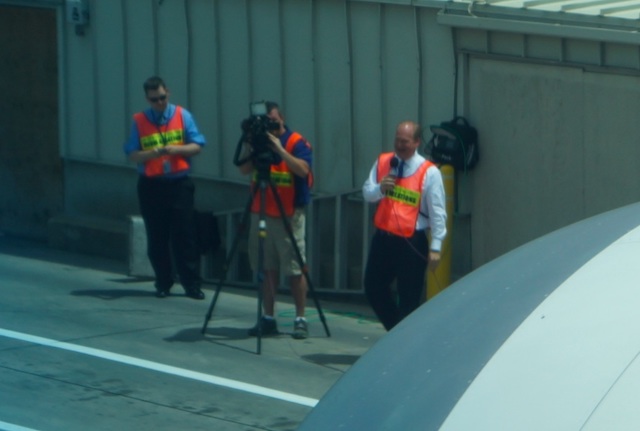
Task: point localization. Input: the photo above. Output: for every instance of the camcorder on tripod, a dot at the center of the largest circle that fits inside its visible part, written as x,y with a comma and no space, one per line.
255,133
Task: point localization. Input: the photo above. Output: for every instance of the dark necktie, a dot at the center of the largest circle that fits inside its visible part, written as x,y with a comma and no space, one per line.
400,168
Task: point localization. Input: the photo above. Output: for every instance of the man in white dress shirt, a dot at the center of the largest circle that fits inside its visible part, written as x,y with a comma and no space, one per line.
411,201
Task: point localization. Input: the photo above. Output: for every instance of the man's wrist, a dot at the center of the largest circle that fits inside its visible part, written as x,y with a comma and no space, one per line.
160,151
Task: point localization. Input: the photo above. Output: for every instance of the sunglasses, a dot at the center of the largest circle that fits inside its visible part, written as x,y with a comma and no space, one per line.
158,99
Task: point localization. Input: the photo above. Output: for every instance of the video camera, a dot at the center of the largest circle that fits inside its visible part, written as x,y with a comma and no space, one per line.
255,131
256,127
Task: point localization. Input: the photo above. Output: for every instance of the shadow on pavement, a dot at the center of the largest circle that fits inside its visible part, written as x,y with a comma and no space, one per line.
329,359
110,294
219,336
212,334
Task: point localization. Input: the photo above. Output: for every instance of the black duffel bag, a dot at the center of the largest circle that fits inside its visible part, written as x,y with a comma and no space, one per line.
454,143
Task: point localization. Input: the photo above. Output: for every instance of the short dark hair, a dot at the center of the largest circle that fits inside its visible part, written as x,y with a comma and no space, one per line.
153,83
271,105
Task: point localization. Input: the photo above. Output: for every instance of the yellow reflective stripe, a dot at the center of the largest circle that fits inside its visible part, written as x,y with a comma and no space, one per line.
404,195
284,179
171,137
151,141
174,137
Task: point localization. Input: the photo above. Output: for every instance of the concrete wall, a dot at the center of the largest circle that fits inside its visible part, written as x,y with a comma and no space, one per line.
558,134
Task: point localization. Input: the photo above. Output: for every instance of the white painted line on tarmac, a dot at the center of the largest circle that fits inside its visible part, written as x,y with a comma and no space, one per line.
11,427
167,369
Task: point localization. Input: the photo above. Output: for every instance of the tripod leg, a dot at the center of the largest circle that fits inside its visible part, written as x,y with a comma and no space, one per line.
301,263
225,269
262,234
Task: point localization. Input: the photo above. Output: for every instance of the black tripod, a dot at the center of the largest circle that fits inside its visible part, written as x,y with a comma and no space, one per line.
264,180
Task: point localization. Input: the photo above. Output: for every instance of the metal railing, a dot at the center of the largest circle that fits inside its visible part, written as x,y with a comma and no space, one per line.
338,233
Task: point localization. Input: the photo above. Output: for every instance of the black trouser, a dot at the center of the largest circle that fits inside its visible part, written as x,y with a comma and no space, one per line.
167,207
403,259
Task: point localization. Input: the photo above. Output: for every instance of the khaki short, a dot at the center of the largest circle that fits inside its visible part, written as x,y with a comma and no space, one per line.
279,254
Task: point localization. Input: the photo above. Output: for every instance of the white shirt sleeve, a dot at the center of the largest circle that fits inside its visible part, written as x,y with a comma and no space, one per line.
434,199
371,188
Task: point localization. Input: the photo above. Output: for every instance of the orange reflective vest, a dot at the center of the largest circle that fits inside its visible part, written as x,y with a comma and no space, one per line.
155,136
282,178
398,211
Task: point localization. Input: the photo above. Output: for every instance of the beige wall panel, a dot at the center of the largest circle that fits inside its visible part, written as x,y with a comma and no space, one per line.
472,40
333,150
234,74
266,52
299,78
80,95
368,139
140,59
254,71
400,69
612,159
173,49
110,81
530,178
623,55
203,84
438,71
544,47
507,43
583,52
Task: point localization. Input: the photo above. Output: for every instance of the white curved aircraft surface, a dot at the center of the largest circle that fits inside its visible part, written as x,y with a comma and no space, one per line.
546,337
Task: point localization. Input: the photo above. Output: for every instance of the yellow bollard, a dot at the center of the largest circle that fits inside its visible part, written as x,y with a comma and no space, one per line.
439,279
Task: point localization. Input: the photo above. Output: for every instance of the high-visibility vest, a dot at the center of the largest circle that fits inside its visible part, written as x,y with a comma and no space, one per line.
282,178
398,211
155,136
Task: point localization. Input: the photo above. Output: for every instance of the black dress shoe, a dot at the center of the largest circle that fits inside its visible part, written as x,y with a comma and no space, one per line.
195,293
162,293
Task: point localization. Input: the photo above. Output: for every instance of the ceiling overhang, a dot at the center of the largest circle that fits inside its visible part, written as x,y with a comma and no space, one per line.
608,21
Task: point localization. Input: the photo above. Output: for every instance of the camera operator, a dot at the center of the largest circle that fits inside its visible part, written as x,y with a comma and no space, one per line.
289,168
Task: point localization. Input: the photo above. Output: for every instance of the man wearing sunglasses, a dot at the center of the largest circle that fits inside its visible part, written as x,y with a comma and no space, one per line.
162,141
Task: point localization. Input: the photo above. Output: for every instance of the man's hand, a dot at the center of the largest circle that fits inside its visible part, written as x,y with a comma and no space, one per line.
387,183
434,260
275,145
298,166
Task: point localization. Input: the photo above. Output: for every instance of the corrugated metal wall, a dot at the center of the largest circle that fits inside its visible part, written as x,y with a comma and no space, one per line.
345,73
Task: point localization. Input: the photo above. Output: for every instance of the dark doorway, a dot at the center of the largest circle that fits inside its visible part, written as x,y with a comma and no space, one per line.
31,170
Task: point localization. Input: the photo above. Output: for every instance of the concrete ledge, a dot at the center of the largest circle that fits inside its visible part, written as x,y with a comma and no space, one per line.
139,265
90,235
